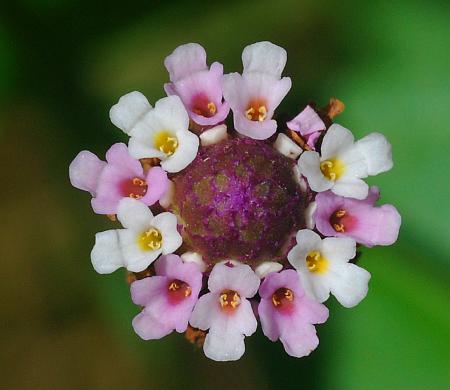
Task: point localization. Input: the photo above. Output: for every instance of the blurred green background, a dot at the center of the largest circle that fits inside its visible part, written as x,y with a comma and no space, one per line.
63,63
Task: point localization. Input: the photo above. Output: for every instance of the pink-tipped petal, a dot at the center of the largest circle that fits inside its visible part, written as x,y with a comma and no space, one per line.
157,184
85,170
119,156
307,122
201,93
149,328
169,297
144,290
255,130
367,224
286,313
240,278
184,60
300,341
264,57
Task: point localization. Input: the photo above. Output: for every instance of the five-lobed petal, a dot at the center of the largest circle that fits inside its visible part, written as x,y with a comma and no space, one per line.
226,311
324,268
254,95
168,298
144,238
286,313
343,163
121,176
199,88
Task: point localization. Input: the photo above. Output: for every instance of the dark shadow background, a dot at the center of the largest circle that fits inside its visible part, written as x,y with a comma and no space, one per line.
63,63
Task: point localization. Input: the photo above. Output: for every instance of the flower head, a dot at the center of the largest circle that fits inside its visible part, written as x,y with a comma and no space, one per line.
144,238
226,311
168,298
323,266
254,95
343,162
360,219
236,202
199,88
160,132
120,177
286,313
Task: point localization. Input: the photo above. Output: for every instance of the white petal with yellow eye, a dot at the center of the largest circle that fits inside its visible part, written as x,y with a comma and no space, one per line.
309,165
136,258
185,153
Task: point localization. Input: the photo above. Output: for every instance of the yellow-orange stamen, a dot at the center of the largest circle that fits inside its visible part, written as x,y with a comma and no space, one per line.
177,285
282,296
332,169
229,300
165,142
256,111
150,240
316,262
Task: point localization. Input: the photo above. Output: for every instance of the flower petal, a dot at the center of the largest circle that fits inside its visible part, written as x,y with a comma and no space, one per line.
205,311
129,110
166,223
377,151
157,184
339,250
337,141
144,290
256,130
307,122
264,57
186,152
224,346
240,278
351,188
309,165
85,170
149,328
135,258
349,284
185,60
106,256
134,215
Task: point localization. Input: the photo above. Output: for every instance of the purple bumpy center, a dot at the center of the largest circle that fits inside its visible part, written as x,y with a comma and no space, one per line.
239,200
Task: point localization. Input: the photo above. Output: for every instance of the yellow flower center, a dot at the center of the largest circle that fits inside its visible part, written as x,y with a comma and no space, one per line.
165,142
332,169
150,240
316,262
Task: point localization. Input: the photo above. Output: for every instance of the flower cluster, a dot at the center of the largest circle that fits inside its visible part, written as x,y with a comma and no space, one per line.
225,226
